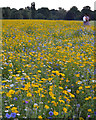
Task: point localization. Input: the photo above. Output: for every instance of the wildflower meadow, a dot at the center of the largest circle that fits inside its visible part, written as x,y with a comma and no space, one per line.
48,69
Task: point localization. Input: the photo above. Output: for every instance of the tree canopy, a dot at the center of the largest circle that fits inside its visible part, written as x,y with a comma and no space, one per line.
45,13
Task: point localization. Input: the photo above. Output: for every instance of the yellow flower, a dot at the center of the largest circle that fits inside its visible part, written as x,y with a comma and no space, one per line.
49,79
46,106
8,94
11,91
42,95
17,92
70,44
53,102
80,87
81,118
94,98
14,109
72,95
7,106
87,86
53,97
62,101
39,71
65,92
61,88
35,106
89,97
48,101
55,113
82,91
29,94
40,117
4,81
67,80
10,70
62,74
77,75
89,110
86,98
65,109
18,71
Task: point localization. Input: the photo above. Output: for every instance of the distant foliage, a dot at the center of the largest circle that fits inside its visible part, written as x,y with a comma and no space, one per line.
45,13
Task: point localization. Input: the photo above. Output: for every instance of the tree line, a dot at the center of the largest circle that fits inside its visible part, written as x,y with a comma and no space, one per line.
45,13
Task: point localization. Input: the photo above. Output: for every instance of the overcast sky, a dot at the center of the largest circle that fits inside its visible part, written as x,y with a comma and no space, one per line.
51,4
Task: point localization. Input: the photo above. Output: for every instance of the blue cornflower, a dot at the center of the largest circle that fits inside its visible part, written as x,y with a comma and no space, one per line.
22,78
7,115
50,113
15,98
95,113
49,117
24,49
90,76
13,36
78,105
13,115
66,87
57,69
91,90
23,86
3,84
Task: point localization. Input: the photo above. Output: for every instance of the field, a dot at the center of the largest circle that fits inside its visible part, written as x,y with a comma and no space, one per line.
48,69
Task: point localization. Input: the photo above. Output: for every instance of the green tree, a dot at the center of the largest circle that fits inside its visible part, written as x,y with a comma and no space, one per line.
94,15
61,14
73,14
15,14
45,12
53,14
13,11
40,16
0,13
6,12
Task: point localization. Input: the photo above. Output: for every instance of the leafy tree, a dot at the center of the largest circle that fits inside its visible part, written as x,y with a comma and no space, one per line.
12,14
39,16
61,13
73,14
25,13
53,14
45,12
0,13
6,12
94,15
